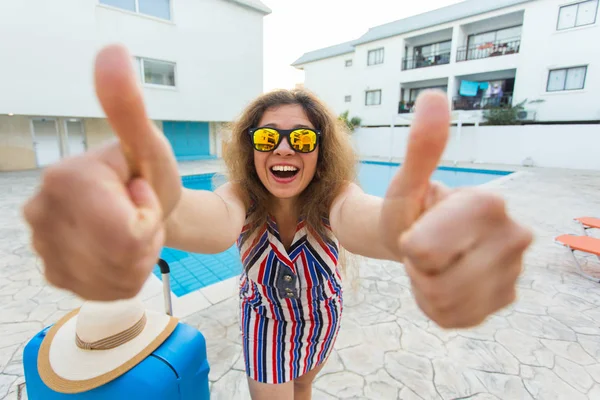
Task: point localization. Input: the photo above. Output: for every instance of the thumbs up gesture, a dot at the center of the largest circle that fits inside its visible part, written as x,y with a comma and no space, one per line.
97,219
462,252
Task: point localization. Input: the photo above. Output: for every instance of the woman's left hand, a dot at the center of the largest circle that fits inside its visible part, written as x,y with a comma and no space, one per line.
462,251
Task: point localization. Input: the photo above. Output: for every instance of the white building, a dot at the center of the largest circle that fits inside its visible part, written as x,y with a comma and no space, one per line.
481,52
200,63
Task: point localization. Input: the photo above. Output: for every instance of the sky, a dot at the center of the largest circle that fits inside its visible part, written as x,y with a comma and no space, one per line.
298,26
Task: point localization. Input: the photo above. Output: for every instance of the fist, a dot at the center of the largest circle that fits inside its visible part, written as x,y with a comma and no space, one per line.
461,250
97,219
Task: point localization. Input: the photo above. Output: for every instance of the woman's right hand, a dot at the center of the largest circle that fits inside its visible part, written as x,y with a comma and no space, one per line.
97,220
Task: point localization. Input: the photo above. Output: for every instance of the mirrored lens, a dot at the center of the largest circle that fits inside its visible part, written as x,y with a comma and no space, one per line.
265,139
303,140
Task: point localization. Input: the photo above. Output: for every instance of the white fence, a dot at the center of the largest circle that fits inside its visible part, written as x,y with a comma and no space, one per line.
557,146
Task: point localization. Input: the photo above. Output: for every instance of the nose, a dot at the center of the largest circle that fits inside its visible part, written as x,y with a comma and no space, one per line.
284,148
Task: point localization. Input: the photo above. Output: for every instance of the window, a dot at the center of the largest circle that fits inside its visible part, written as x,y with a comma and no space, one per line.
154,8
578,14
348,99
566,79
373,98
375,57
155,72
348,63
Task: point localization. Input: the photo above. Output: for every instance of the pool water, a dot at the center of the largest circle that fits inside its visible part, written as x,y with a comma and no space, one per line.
190,271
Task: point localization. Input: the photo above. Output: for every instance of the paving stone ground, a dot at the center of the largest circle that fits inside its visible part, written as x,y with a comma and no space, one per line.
545,346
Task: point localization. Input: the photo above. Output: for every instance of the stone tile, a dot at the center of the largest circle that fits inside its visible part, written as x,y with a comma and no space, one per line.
482,355
222,355
594,393
591,344
420,342
408,394
42,312
341,385
234,385
452,380
580,323
594,371
366,314
594,314
351,334
532,302
17,311
18,333
210,328
542,327
364,359
385,303
6,355
321,395
412,371
375,270
573,374
488,329
573,303
570,351
527,349
221,291
381,385
386,335
333,364
503,386
545,384
5,383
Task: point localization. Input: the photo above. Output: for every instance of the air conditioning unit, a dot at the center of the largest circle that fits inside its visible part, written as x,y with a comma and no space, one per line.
526,115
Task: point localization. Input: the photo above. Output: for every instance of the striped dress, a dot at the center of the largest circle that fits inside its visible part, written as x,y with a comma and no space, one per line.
290,303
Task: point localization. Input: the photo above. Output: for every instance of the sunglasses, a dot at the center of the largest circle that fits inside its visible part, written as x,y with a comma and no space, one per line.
301,140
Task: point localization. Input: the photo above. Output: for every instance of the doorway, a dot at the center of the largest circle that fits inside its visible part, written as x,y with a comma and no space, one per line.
46,141
75,136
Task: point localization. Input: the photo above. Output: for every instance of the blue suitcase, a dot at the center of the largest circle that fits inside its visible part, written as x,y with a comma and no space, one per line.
177,370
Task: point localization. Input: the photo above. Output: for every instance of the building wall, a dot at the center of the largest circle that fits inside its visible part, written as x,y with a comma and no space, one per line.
216,44
333,75
542,48
555,146
16,144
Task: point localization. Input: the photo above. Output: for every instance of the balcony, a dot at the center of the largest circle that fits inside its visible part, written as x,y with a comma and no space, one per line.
439,58
481,103
489,49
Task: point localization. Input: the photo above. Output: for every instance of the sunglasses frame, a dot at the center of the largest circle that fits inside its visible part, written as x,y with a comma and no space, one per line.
284,133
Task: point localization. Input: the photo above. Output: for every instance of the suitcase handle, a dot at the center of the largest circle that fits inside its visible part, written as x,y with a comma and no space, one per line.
165,270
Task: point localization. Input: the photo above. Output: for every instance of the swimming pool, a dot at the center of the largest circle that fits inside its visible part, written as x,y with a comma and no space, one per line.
190,271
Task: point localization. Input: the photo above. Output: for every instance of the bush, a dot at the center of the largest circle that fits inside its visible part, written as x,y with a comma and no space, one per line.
352,123
503,115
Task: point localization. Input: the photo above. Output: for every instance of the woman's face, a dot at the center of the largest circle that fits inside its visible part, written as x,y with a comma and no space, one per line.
284,172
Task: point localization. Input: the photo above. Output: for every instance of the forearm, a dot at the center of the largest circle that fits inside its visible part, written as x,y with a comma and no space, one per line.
355,222
204,222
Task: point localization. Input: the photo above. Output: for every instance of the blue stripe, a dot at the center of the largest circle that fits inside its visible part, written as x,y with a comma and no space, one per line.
260,342
246,337
333,311
297,338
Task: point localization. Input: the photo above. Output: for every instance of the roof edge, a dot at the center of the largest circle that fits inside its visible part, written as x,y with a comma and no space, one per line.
263,9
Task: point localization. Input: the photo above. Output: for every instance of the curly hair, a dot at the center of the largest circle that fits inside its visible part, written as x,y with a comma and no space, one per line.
336,163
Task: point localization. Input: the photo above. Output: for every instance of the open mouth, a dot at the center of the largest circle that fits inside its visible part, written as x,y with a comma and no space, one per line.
284,172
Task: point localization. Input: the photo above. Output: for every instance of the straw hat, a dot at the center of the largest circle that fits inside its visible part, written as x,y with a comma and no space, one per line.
99,342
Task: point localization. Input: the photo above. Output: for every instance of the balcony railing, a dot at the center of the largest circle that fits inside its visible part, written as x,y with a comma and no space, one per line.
480,103
426,61
489,49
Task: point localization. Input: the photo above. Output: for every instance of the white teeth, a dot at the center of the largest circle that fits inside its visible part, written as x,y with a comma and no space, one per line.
284,168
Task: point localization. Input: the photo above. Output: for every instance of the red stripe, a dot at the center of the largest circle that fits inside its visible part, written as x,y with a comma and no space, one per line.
329,319
324,246
254,243
292,337
274,339
310,311
261,273
283,258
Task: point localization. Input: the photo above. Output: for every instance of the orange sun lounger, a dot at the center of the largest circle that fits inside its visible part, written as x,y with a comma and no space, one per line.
588,223
585,244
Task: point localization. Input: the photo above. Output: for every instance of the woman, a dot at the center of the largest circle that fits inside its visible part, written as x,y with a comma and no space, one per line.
100,220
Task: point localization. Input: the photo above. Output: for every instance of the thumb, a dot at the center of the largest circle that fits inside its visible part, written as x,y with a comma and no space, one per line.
121,98
148,211
426,144
146,149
